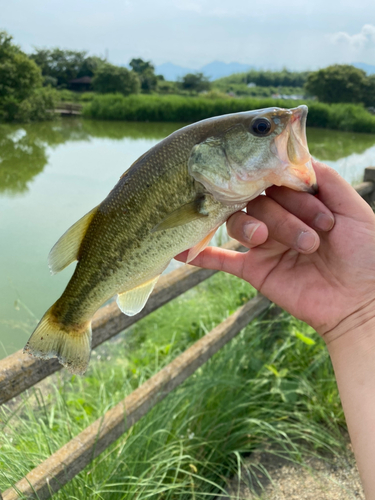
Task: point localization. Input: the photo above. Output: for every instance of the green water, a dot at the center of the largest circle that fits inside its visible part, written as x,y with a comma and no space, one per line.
53,173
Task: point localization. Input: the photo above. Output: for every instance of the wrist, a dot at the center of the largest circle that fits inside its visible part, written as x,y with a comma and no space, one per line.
351,345
358,325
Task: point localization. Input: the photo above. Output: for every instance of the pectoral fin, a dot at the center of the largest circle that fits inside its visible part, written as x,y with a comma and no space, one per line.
133,301
183,215
65,251
199,247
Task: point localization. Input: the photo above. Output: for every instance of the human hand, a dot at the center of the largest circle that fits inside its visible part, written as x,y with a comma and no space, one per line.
313,256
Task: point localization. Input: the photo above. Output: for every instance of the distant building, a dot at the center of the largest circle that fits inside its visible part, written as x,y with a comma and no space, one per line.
81,84
251,85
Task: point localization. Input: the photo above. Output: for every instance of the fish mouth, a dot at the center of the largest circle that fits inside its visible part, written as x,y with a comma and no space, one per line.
292,150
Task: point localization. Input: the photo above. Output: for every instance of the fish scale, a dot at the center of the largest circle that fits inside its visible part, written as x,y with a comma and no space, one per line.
171,199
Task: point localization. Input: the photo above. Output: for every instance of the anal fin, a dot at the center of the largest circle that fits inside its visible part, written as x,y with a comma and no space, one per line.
133,301
199,247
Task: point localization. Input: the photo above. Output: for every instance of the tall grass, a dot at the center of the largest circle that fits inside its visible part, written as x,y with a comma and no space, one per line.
272,386
172,108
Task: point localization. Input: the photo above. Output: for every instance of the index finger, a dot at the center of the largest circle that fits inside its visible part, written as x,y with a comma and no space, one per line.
218,258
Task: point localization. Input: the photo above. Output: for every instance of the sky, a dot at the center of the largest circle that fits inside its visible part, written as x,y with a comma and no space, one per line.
297,34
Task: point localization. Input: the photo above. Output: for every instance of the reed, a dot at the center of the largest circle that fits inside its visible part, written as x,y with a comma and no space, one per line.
174,108
272,386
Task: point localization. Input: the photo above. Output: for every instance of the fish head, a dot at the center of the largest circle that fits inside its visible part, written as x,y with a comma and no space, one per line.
256,150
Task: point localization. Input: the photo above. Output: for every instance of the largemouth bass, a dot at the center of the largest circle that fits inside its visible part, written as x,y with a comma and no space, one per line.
173,198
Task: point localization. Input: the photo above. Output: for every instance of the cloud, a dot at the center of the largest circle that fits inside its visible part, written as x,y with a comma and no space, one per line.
359,41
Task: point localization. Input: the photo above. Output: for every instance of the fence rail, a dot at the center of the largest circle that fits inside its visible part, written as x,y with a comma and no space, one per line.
68,109
18,373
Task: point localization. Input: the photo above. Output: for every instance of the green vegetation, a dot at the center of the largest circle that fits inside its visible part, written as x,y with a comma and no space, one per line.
146,74
60,66
266,83
109,78
346,117
342,83
195,82
261,78
22,97
243,90
272,386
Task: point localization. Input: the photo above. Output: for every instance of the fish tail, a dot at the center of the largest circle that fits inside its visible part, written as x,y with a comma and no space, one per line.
52,339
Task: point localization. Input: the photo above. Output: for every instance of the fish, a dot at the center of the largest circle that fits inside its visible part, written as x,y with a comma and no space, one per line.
172,199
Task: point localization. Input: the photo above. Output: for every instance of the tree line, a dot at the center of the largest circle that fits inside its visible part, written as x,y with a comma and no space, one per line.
59,67
28,83
283,78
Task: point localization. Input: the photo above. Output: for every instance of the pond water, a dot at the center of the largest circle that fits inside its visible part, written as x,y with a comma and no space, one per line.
53,173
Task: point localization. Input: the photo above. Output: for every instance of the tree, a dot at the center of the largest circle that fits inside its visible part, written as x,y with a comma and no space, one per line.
18,75
140,66
195,82
109,79
369,91
20,84
146,74
337,83
65,65
90,65
283,78
148,81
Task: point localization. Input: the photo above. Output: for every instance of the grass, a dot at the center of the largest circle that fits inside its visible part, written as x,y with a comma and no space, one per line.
173,108
273,385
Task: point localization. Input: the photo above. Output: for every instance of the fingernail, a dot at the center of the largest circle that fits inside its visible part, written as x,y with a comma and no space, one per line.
306,241
249,230
324,222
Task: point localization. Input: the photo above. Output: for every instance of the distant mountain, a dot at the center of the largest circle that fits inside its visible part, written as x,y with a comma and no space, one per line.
172,72
218,69
370,69
214,70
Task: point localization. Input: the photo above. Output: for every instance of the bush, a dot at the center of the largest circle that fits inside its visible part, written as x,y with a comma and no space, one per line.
195,82
38,107
109,78
172,108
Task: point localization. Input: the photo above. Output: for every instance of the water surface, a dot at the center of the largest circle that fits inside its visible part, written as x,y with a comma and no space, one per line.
53,173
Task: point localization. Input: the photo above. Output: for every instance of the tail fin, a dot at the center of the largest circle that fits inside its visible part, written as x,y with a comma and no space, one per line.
50,339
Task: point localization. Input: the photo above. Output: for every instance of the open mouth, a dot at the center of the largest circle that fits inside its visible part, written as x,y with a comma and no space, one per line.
293,151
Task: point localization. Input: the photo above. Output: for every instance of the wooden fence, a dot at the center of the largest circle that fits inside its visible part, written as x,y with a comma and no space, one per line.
19,372
68,109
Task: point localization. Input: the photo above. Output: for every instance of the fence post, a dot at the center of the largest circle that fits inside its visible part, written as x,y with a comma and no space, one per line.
369,176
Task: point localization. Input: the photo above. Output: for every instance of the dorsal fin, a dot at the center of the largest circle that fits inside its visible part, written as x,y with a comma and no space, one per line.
65,251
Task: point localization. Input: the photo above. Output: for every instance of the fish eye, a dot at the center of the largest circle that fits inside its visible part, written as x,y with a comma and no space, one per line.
261,126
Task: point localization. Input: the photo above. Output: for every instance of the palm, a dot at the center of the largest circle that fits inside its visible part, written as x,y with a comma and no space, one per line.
318,288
